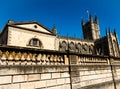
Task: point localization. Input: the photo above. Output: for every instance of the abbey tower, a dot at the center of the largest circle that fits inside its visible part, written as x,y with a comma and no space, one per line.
91,29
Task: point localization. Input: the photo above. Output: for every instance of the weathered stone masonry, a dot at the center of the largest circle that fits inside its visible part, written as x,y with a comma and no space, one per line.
35,57
20,69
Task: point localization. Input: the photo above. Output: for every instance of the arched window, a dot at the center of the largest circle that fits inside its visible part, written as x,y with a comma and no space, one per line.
78,47
72,46
91,49
35,42
116,52
85,48
63,46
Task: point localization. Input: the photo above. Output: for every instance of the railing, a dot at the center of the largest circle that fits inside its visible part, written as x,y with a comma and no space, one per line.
92,59
21,56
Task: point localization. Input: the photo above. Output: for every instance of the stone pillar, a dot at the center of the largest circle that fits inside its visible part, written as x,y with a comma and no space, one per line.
66,60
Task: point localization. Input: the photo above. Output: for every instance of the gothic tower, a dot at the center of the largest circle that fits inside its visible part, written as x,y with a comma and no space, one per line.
91,29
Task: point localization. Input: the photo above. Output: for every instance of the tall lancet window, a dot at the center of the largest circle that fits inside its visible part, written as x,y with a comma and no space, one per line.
116,52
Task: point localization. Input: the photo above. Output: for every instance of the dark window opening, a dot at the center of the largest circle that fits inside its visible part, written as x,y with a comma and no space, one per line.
35,42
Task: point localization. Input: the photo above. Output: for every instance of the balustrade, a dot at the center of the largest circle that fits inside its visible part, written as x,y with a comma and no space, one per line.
49,58
91,59
19,58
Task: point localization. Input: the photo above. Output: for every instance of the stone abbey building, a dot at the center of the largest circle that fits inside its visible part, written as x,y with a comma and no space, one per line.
35,35
35,57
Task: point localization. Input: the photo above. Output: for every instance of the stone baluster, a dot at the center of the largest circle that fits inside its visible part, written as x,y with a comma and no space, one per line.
13,57
39,56
10,58
55,59
3,59
62,60
34,61
58,60
25,55
7,56
47,60
29,59
10,62
22,57
43,59
18,57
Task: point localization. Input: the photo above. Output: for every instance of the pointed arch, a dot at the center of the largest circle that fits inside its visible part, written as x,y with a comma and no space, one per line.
78,47
63,46
72,46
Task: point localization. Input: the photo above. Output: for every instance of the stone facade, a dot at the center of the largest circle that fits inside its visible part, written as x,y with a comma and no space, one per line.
34,57
35,35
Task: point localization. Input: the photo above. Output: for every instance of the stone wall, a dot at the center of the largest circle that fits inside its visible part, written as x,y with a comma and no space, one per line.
34,77
92,72
22,68
20,37
92,77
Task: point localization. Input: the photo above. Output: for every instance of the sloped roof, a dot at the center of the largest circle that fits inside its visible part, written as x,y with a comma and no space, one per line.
25,25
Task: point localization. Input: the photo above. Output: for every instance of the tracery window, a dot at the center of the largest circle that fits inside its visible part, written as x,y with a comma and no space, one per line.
63,46
115,48
72,46
91,49
85,47
78,47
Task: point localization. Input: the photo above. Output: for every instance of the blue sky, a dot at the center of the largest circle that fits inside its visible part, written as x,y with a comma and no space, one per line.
65,14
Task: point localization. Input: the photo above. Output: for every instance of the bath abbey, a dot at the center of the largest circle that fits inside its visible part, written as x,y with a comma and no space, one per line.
33,56
37,36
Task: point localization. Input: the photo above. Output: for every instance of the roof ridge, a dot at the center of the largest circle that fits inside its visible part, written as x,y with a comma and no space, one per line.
11,22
